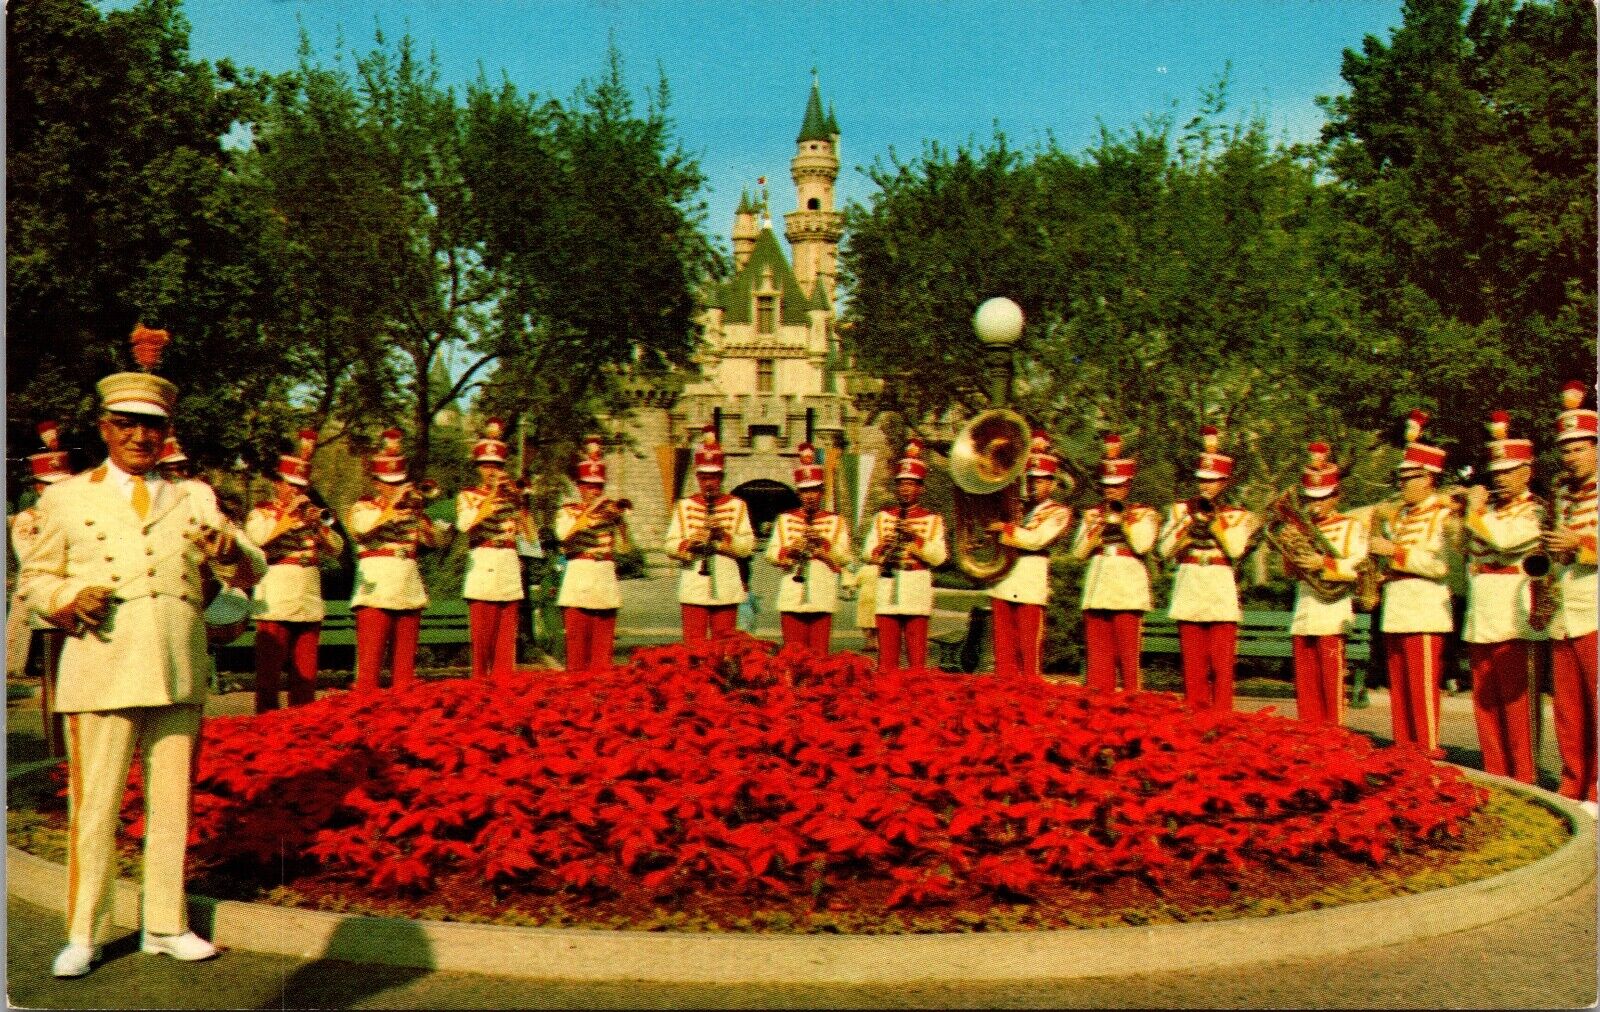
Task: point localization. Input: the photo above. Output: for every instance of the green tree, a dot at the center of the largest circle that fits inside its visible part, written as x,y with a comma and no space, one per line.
124,206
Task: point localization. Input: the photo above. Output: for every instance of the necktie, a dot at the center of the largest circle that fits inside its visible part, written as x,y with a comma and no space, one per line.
141,496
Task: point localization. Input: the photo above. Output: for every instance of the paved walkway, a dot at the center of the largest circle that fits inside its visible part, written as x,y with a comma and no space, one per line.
1542,960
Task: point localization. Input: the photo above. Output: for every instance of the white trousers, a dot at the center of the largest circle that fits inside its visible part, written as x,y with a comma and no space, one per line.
100,749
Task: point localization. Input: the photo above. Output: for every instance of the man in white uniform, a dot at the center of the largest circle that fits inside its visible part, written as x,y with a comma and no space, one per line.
811,545
493,516
1115,536
1571,544
118,564
591,531
906,542
708,534
1018,598
290,529
27,631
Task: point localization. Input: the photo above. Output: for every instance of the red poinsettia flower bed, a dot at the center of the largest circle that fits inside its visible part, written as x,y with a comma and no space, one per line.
725,770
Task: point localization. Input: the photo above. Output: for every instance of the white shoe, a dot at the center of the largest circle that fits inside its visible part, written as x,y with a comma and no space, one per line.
1590,807
187,947
75,960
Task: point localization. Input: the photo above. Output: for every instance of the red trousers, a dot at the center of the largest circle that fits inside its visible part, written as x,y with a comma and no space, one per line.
493,627
1414,661
895,629
1112,639
1208,650
709,621
591,636
1572,664
1018,638
807,629
1505,707
280,642
1319,678
379,629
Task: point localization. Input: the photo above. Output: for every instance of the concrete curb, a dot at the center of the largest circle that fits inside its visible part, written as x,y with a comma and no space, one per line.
620,956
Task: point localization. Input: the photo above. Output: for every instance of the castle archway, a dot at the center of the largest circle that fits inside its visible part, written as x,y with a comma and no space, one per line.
766,499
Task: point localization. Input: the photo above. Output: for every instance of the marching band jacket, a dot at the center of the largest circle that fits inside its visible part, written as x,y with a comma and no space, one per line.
151,651
1499,593
908,588
1117,578
590,580
292,589
494,569
1204,589
24,532
1574,581
723,585
1028,581
819,591
1416,593
1314,616
386,566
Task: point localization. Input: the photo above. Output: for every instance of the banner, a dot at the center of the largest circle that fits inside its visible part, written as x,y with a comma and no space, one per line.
673,462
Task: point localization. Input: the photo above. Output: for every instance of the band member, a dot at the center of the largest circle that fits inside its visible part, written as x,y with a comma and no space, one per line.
118,565
28,632
905,542
493,516
1019,597
591,531
811,546
1337,550
708,534
1500,536
174,464
1115,537
1416,540
296,535
1571,544
1207,537
390,528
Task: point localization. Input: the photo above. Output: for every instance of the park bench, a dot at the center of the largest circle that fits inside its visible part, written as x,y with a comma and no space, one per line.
444,623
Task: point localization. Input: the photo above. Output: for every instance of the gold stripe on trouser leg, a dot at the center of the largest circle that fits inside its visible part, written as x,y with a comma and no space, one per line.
169,741
103,749
1338,685
74,803
1430,713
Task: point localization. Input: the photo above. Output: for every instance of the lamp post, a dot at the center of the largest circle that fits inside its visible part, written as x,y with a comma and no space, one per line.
998,324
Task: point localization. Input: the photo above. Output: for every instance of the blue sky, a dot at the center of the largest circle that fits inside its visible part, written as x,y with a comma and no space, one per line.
898,73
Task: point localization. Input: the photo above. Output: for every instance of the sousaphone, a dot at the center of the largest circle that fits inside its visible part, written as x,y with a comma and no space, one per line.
986,465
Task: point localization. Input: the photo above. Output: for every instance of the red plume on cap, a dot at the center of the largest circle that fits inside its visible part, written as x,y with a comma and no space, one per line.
593,447
808,453
308,443
1209,438
913,447
1041,441
148,344
1572,395
1319,454
1499,424
710,436
1414,423
493,428
1113,448
391,441
50,436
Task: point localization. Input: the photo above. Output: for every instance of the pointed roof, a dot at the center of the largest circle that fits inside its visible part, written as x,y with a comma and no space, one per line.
833,121
733,295
745,206
815,126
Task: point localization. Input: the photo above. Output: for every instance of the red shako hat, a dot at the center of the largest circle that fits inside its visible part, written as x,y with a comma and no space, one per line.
1506,453
1319,478
295,468
51,465
1041,462
389,465
1213,466
1419,457
1115,469
592,468
808,473
490,449
708,456
1576,422
171,452
911,465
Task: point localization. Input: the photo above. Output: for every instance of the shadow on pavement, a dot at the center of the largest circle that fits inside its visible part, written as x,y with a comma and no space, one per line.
358,963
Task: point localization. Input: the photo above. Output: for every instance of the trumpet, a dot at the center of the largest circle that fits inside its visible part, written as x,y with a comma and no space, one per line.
417,493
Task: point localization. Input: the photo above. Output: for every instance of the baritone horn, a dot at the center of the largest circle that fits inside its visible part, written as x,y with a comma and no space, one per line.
986,464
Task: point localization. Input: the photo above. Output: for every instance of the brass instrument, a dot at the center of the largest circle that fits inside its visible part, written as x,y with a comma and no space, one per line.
1298,540
1112,530
812,546
597,514
986,464
1537,566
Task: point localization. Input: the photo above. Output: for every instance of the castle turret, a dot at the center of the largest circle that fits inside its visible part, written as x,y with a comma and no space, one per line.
815,228
745,230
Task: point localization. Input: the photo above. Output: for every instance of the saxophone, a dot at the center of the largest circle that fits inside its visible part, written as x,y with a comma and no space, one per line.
1542,595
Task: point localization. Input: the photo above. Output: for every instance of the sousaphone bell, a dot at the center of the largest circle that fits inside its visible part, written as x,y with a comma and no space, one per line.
986,465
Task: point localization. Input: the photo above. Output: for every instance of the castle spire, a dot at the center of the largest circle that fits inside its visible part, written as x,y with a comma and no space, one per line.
815,126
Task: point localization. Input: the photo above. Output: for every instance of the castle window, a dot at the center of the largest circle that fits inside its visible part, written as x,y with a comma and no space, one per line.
813,204
766,314
765,369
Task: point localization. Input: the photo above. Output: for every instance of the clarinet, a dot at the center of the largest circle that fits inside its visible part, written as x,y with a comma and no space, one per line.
802,569
710,549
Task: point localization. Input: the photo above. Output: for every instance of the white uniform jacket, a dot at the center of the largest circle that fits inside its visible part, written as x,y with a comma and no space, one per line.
590,579
386,565
1574,581
1314,616
819,591
151,651
1416,589
907,588
292,589
494,569
24,532
1204,589
723,584
1117,578
1499,593
1028,580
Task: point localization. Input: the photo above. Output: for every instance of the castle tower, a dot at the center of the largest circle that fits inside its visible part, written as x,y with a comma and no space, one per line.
814,229
745,230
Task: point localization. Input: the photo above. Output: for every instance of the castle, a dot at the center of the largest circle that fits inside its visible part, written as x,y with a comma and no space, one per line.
771,374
